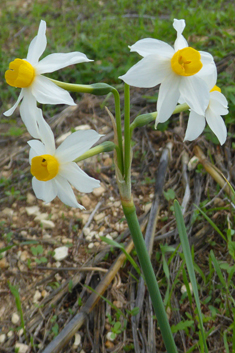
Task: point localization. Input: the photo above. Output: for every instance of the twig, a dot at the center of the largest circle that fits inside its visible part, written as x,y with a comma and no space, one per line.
73,326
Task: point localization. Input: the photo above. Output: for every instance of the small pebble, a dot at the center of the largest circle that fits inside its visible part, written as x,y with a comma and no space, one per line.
22,348
15,318
77,340
47,224
2,338
61,253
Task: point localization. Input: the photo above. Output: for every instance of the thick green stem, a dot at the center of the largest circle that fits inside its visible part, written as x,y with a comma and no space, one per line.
149,275
127,136
119,129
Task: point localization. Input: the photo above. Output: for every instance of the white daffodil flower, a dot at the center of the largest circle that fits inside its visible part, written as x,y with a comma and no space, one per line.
27,74
53,169
217,106
179,70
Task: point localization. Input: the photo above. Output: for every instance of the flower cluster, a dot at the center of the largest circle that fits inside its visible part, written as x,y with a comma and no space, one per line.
185,75
53,169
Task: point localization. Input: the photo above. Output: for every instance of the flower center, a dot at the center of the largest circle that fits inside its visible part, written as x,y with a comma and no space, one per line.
20,74
186,62
215,88
44,167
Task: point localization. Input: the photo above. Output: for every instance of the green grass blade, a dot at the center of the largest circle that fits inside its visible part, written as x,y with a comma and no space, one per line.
15,293
211,223
120,246
189,264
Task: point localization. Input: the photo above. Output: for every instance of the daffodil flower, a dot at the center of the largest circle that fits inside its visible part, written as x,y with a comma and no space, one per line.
217,106
179,70
53,169
27,74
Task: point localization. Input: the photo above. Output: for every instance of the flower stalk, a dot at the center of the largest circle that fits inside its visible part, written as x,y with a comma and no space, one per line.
149,275
127,135
106,146
144,119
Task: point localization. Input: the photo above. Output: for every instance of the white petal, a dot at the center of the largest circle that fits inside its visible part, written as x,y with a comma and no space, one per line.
167,98
180,42
46,136
38,45
76,144
44,190
47,92
12,109
30,113
150,46
208,71
217,125
218,103
196,124
37,149
65,192
78,178
148,72
195,92
57,61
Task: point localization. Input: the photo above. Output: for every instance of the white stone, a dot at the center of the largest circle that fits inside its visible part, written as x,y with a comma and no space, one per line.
114,234
10,334
99,217
77,339
86,232
20,332
184,289
15,318
47,224
30,198
32,210
37,296
98,191
2,338
61,253
8,211
41,217
91,245
22,348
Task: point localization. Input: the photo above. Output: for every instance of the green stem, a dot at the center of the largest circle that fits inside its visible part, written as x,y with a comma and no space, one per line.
99,89
145,119
127,136
149,275
119,128
106,146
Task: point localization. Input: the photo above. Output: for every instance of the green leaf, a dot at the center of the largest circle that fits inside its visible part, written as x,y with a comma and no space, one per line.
181,326
120,246
189,263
